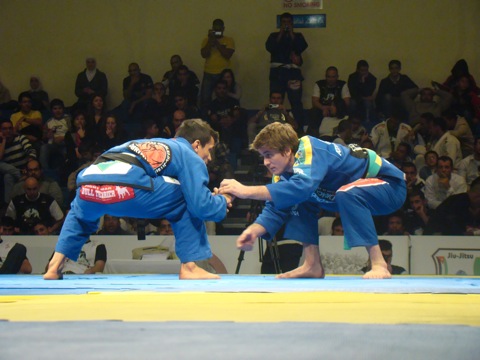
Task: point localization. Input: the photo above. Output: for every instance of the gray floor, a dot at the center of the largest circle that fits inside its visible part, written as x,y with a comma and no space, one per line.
228,340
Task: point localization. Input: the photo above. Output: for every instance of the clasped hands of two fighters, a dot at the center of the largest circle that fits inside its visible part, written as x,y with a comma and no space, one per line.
230,189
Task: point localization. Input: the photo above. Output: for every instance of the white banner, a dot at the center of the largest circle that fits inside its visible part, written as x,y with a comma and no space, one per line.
446,255
302,4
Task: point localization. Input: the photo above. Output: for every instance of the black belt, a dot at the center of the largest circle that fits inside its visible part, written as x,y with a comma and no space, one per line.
119,157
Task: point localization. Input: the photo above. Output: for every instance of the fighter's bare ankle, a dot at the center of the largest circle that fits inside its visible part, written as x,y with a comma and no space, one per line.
190,271
304,271
378,272
53,275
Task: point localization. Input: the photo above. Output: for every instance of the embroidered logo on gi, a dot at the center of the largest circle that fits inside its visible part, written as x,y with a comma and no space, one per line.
157,154
106,194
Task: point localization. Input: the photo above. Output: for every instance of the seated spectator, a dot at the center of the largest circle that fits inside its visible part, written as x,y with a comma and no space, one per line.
111,133
96,114
401,155
233,87
413,181
53,151
396,224
150,129
337,227
40,100
430,167
17,151
173,124
165,228
459,127
469,167
111,226
459,70
159,106
47,185
466,102
89,83
225,117
34,206
137,91
272,112
387,134
359,132
181,103
388,100
362,85
183,82
387,252
175,62
13,256
443,142
425,103
418,214
421,131
459,214
367,144
169,77
443,183
80,136
344,133
330,102
28,122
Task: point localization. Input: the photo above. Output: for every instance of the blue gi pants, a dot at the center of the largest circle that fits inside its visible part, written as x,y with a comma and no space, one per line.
165,201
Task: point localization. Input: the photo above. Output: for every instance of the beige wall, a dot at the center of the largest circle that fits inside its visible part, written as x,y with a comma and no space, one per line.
51,38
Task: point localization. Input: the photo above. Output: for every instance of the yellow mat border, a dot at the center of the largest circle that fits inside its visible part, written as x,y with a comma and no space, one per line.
336,307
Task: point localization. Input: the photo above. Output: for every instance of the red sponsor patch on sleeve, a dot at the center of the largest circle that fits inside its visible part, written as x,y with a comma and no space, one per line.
106,194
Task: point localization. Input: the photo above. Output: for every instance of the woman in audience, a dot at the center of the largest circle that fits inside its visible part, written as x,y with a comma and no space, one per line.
96,113
79,136
233,88
40,100
111,133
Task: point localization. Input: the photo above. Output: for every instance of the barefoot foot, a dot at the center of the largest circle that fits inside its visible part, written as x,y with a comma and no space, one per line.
378,272
52,275
304,271
190,271
55,267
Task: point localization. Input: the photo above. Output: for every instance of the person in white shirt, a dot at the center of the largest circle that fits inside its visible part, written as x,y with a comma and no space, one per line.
459,127
469,167
444,143
443,183
388,134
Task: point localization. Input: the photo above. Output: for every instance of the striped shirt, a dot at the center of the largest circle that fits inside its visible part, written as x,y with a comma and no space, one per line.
19,151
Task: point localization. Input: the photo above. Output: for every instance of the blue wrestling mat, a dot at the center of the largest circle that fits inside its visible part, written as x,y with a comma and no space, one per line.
239,317
81,284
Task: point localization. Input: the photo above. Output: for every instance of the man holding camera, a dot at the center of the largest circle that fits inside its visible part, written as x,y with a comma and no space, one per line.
285,48
274,111
217,51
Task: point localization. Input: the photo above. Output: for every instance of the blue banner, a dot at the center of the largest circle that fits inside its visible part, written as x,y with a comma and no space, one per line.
307,21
